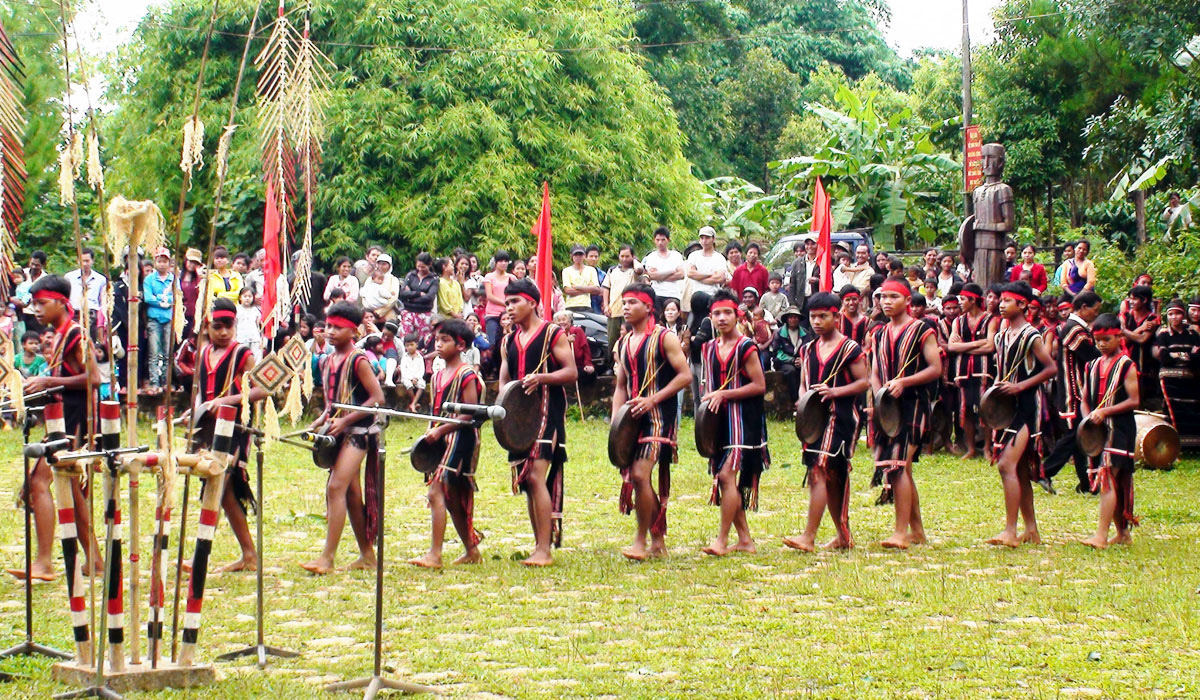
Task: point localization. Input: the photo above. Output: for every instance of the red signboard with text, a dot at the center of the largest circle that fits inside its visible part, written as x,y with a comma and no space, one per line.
972,158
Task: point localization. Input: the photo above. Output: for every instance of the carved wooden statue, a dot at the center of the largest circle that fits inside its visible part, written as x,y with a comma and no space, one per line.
983,234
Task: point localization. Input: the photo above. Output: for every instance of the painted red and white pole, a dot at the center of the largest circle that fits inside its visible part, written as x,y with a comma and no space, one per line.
110,439
68,535
210,505
162,537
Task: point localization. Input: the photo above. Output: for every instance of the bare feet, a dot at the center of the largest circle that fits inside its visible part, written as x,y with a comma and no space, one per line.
471,557
637,552
96,567
1031,537
1005,539
365,562
658,550
716,549
896,541
804,543
970,454
836,543
38,573
746,547
538,559
319,566
246,563
429,561
1122,538
917,537
1096,542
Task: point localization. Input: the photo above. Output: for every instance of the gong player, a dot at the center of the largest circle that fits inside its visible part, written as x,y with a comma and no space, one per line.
835,367
1023,366
651,371
537,354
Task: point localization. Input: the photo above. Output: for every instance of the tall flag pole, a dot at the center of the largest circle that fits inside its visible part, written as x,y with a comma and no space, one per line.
822,225
545,255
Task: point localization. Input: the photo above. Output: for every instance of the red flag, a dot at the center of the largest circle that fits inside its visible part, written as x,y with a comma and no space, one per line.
545,255
822,224
271,266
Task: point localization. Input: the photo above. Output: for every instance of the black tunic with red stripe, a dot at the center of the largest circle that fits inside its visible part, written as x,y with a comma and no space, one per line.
647,371
837,443
1113,468
221,371
899,353
68,339
855,330
973,372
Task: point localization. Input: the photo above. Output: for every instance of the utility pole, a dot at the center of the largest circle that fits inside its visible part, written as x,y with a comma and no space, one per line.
966,92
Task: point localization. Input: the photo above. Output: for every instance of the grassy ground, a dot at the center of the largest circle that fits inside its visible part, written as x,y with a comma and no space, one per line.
954,619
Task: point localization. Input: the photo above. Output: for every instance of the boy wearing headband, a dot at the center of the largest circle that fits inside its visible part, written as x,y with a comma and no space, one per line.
853,323
538,354
651,371
1177,347
348,378
1110,396
834,366
906,366
733,384
68,371
1017,449
222,365
1075,350
972,340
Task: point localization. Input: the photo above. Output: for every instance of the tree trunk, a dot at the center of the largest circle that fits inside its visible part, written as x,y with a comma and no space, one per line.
898,238
1139,207
1033,211
1050,213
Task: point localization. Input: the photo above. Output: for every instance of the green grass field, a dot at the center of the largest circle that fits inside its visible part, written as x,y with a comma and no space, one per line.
953,619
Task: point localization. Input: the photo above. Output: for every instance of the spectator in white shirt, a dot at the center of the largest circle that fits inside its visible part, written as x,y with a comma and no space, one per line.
381,290
706,268
665,268
94,281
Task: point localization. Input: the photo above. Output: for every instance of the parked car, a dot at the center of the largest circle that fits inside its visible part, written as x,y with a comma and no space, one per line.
780,256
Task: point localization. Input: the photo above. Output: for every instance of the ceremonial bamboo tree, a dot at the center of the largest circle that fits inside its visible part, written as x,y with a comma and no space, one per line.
429,149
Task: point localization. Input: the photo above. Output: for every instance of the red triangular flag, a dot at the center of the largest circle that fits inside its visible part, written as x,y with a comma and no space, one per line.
822,224
545,255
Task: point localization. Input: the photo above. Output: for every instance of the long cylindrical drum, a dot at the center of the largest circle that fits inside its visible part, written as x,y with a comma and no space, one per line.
1157,444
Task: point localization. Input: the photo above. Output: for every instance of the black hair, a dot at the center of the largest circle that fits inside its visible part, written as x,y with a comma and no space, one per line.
52,283
1084,241
996,288
894,264
775,276
310,319
425,258
523,286
223,304
501,255
241,256
625,246
30,335
753,245
798,245
919,300
955,289
848,289
1143,292
341,259
733,245
1011,244
1049,300
1106,322
971,288
39,256
1085,299
933,248
410,338
592,247
662,231
917,271
220,252
700,304
723,294
877,281
337,293
351,312
1029,245
825,300
457,329
1021,289
372,341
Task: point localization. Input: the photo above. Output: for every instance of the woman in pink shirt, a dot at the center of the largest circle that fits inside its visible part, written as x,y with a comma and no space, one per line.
494,284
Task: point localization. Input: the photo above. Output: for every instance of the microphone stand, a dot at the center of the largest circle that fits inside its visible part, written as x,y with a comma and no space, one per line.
30,647
259,648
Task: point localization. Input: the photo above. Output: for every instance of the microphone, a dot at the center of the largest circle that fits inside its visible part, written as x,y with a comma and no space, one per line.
318,439
37,450
477,410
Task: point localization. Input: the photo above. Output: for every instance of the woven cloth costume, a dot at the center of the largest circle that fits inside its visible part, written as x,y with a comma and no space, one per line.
741,443
647,371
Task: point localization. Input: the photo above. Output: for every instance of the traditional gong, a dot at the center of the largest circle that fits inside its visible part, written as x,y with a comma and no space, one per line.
425,455
812,417
997,410
939,419
887,412
1157,444
1091,437
523,417
622,438
706,431
324,448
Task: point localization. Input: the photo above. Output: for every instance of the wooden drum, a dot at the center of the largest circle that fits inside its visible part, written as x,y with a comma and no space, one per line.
1157,444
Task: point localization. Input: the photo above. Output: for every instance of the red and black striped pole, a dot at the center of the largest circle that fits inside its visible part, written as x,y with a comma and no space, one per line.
110,439
210,504
68,535
162,536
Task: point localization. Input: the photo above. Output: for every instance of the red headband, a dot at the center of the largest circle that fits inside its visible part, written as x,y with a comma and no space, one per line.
1014,296
340,322
527,297
48,294
1065,306
950,300
970,294
639,295
1035,302
848,295
723,304
222,313
824,307
897,287
1107,332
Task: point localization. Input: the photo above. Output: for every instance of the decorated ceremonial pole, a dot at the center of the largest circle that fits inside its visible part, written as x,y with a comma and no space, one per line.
110,439
56,429
162,534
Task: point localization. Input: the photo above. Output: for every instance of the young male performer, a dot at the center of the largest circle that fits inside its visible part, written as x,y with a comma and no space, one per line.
68,369
452,486
853,324
835,366
949,384
973,339
651,371
1075,350
906,364
222,364
349,379
734,385
538,354
1110,396
1018,448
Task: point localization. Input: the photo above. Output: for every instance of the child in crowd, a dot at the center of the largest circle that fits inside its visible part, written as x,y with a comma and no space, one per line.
47,342
915,277
929,290
412,370
336,295
474,354
389,353
369,325
370,346
774,302
29,362
248,332
319,347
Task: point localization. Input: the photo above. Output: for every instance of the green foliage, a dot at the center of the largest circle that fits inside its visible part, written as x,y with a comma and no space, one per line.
1172,265
425,150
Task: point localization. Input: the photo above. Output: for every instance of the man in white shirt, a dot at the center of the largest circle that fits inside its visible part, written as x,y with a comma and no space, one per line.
665,268
83,277
706,268
859,272
579,281
618,278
